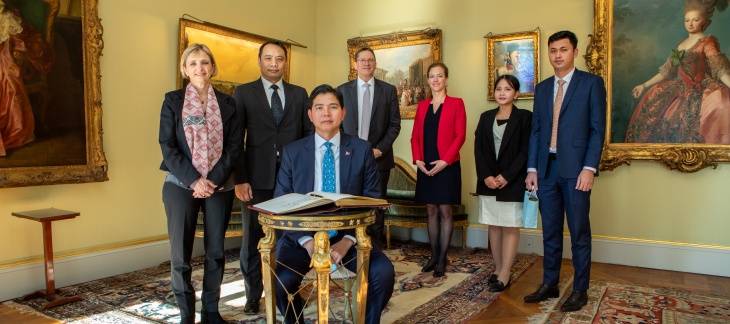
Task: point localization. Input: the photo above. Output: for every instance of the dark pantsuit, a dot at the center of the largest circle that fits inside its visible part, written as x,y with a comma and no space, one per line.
182,215
252,234
558,196
381,278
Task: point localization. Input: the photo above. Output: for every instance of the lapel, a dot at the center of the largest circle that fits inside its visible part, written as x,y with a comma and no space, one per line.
307,166
260,93
514,117
377,91
574,81
288,99
491,116
549,90
345,161
223,104
351,105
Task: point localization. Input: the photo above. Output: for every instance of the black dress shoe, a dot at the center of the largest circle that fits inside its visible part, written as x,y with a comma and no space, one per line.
498,286
492,279
430,265
251,307
542,293
575,302
211,318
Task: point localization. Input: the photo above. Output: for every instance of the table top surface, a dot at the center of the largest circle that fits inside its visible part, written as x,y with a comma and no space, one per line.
47,214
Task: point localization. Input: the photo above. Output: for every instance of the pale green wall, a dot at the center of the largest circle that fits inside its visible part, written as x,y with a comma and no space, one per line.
139,64
644,200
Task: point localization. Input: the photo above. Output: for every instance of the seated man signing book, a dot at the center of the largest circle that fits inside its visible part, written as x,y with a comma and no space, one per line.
328,161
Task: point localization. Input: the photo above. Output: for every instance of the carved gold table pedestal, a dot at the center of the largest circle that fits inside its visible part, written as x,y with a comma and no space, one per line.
358,219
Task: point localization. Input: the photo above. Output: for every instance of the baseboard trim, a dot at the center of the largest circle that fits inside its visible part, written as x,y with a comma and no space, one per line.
674,256
73,268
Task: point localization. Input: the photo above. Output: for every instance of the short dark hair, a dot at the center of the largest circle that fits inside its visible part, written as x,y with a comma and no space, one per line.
563,34
273,42
363,50
439,64
325,89
511,80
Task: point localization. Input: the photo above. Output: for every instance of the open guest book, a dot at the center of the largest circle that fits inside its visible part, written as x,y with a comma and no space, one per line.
316,202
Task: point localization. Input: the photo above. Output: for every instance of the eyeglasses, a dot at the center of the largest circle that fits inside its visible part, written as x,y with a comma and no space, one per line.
366,60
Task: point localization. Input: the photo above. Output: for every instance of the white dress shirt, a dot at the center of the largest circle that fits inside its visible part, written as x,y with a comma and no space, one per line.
269,91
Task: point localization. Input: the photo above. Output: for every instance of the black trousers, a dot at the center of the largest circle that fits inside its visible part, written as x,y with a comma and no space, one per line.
182,215
252,234
377,229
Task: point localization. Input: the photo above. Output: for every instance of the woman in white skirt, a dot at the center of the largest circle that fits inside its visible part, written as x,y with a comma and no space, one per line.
500,151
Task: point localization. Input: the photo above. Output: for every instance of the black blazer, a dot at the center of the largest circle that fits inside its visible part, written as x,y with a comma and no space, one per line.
384,120
512,162
257,164
176,156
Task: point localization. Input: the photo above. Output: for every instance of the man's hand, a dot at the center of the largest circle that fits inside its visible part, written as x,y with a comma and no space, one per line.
309,246
531,181
339,250
585,180
377,153
243,192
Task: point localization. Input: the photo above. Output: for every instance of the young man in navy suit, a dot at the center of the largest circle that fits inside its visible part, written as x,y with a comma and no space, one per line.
568,129
302,165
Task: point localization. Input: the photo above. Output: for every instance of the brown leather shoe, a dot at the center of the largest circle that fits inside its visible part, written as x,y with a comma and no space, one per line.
542,293
575,302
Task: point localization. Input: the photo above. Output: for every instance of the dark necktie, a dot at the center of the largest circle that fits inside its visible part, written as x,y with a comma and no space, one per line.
276,107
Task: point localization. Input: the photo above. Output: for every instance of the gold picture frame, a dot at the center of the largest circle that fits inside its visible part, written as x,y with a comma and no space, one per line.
90,164
600,52
517,54
405,56
235,51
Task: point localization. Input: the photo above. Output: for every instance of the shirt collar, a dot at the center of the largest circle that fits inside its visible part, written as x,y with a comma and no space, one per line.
567,77
268,84
319,141
360,82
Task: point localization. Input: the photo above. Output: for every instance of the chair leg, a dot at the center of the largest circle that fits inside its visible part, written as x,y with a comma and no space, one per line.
387,236
463,237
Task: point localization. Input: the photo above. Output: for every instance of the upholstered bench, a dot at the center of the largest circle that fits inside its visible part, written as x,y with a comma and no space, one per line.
404,211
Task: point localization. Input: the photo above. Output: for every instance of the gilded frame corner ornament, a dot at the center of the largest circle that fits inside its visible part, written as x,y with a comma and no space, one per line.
532,48
683,157
431,37
95,169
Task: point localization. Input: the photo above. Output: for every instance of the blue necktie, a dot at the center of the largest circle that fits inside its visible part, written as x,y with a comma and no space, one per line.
328,175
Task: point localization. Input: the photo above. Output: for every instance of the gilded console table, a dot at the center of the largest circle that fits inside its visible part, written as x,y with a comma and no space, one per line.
358,219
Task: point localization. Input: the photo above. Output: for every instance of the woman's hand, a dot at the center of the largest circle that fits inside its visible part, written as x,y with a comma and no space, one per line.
438,165
422,166
501,181
638,90
491,182
203,188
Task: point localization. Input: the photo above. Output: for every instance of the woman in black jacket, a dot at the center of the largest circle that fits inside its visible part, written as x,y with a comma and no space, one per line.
500,152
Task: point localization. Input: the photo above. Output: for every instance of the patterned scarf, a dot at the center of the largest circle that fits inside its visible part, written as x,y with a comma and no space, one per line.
203,131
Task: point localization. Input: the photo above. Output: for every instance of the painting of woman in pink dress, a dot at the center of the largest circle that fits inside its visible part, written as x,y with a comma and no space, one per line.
688,101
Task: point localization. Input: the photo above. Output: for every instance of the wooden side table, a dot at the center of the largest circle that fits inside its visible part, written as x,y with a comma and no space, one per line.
46,216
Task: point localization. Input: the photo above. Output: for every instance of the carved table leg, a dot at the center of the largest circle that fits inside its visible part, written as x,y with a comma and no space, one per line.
267,248
363,263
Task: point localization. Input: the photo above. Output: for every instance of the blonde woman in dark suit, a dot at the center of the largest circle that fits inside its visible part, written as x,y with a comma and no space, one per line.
200,137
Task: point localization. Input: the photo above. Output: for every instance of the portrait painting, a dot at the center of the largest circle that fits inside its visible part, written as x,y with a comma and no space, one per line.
515,54
236,53
667,75
402,60
50,111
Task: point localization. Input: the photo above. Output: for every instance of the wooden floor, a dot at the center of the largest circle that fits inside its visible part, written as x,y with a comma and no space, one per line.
510,308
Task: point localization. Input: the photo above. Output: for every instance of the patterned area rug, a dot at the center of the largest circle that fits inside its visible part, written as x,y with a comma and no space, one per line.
612,302
144,296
